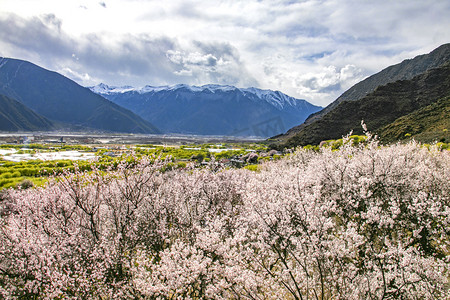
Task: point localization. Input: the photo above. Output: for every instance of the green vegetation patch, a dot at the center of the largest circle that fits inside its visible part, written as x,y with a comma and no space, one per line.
30,173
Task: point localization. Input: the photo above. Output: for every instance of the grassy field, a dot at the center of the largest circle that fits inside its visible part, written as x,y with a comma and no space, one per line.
30,165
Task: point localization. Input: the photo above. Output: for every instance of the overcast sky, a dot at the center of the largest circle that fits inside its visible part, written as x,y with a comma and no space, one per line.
310,49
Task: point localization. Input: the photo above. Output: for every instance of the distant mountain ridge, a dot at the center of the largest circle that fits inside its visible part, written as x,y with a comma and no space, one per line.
14,116
275,97
60,99
407,69
211,109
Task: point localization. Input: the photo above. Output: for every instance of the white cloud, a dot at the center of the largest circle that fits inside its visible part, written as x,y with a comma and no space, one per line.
206,63
312,49
184,72
329,80
192,59
82,78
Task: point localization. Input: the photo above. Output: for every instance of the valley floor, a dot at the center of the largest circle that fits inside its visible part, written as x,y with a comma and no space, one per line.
104,138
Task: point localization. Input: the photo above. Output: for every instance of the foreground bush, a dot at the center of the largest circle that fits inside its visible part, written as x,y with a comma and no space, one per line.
357,223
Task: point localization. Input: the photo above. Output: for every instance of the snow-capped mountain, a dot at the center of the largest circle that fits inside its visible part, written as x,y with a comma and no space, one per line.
106,89
211,109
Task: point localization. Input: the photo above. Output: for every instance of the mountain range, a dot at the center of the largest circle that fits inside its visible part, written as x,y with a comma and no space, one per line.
68,105
45,100
406,100
211,109
410,87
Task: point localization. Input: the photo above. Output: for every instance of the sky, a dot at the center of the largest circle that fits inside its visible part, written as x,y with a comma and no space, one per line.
311,49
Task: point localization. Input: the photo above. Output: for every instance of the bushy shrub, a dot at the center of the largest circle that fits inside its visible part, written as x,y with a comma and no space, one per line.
253,168
26,184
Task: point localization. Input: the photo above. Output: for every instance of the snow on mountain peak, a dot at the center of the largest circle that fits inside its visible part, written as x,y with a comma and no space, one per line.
275,98
106,89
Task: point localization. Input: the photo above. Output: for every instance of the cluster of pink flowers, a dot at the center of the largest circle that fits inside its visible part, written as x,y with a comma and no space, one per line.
366,222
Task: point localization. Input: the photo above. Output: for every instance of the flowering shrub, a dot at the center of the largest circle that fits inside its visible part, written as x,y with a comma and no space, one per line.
360,222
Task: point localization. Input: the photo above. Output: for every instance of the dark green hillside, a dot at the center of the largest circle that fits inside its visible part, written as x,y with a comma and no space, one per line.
15,116
60,99
428,124
378,109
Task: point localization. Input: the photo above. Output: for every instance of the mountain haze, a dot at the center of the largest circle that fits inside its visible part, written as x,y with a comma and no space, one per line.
212,109
60,99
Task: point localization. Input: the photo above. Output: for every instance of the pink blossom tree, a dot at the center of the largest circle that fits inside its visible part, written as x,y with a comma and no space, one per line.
365,222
